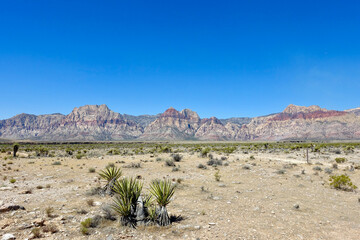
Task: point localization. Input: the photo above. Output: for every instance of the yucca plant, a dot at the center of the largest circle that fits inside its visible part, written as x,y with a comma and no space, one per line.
127,192
163,191
110,173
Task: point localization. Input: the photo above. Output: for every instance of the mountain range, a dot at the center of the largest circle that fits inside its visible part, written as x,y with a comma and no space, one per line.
99,123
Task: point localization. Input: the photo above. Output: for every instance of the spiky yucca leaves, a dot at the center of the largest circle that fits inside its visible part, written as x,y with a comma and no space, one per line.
163,191
150,209
127,191
123,207
110,173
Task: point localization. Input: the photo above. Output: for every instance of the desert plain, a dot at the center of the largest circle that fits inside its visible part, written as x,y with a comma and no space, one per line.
223,190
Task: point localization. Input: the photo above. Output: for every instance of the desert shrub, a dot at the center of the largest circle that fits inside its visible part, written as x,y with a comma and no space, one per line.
204,152
246,167
337,151
158,159
134,165
214,162
56,163
281,171
223,158
84,230
175,169
317,168
113,152
49,211
169,163
342,182
50,228
217,176
79,155
36,232
109,213
252,157
90,202
69,151
335,166
328,170
12,180
42,151
91,170
86,223
202,166
340,160
177,157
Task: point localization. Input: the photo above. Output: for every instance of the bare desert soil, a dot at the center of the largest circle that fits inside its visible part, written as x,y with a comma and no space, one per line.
252,200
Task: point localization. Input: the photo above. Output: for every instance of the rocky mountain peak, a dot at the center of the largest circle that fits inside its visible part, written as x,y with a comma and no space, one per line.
171,112
189,114
293,109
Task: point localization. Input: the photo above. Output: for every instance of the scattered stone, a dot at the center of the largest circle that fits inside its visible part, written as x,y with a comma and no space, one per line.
8,236
296,206
222,185
39,222
11,208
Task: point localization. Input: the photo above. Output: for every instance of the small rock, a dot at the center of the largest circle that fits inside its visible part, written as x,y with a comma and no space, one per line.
8,236
222,185
11,208
296,206
211,224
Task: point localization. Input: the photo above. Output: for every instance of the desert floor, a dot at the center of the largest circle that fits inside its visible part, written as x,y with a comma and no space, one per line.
267,196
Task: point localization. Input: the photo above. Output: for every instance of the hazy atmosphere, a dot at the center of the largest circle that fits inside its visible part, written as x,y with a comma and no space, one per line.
220,58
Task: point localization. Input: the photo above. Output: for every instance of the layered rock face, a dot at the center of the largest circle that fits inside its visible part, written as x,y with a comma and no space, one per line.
91,122
99,123
28,126
296,122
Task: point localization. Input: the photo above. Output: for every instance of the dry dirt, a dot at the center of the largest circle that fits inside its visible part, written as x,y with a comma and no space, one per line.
255,203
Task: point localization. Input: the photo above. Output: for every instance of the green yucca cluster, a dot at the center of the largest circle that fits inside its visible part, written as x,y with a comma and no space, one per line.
127,191
134,208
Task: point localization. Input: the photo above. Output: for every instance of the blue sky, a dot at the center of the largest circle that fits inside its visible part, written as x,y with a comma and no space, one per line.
219,58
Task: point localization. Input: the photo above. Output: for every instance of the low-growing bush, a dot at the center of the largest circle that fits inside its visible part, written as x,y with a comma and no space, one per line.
340,160
169,163
177,157
202,166
342,182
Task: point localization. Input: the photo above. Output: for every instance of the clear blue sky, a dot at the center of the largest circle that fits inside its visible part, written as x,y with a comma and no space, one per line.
219,58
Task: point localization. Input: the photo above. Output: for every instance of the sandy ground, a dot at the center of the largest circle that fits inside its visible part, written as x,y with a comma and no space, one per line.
255,203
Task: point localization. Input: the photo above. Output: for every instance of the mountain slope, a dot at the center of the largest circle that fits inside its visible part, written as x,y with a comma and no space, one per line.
99,123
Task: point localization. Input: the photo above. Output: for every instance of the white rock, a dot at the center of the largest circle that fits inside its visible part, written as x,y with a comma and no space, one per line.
8,236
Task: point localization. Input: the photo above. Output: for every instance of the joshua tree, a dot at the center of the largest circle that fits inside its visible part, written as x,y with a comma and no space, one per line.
128,192
110,174
163,192
16,148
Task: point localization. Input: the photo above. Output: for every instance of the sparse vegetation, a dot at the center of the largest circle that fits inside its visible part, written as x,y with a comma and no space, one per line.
163,192
340,160
342,182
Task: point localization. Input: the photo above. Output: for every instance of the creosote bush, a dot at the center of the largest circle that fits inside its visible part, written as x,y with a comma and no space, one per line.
177,157
342,182
340,160
169,163
217,176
